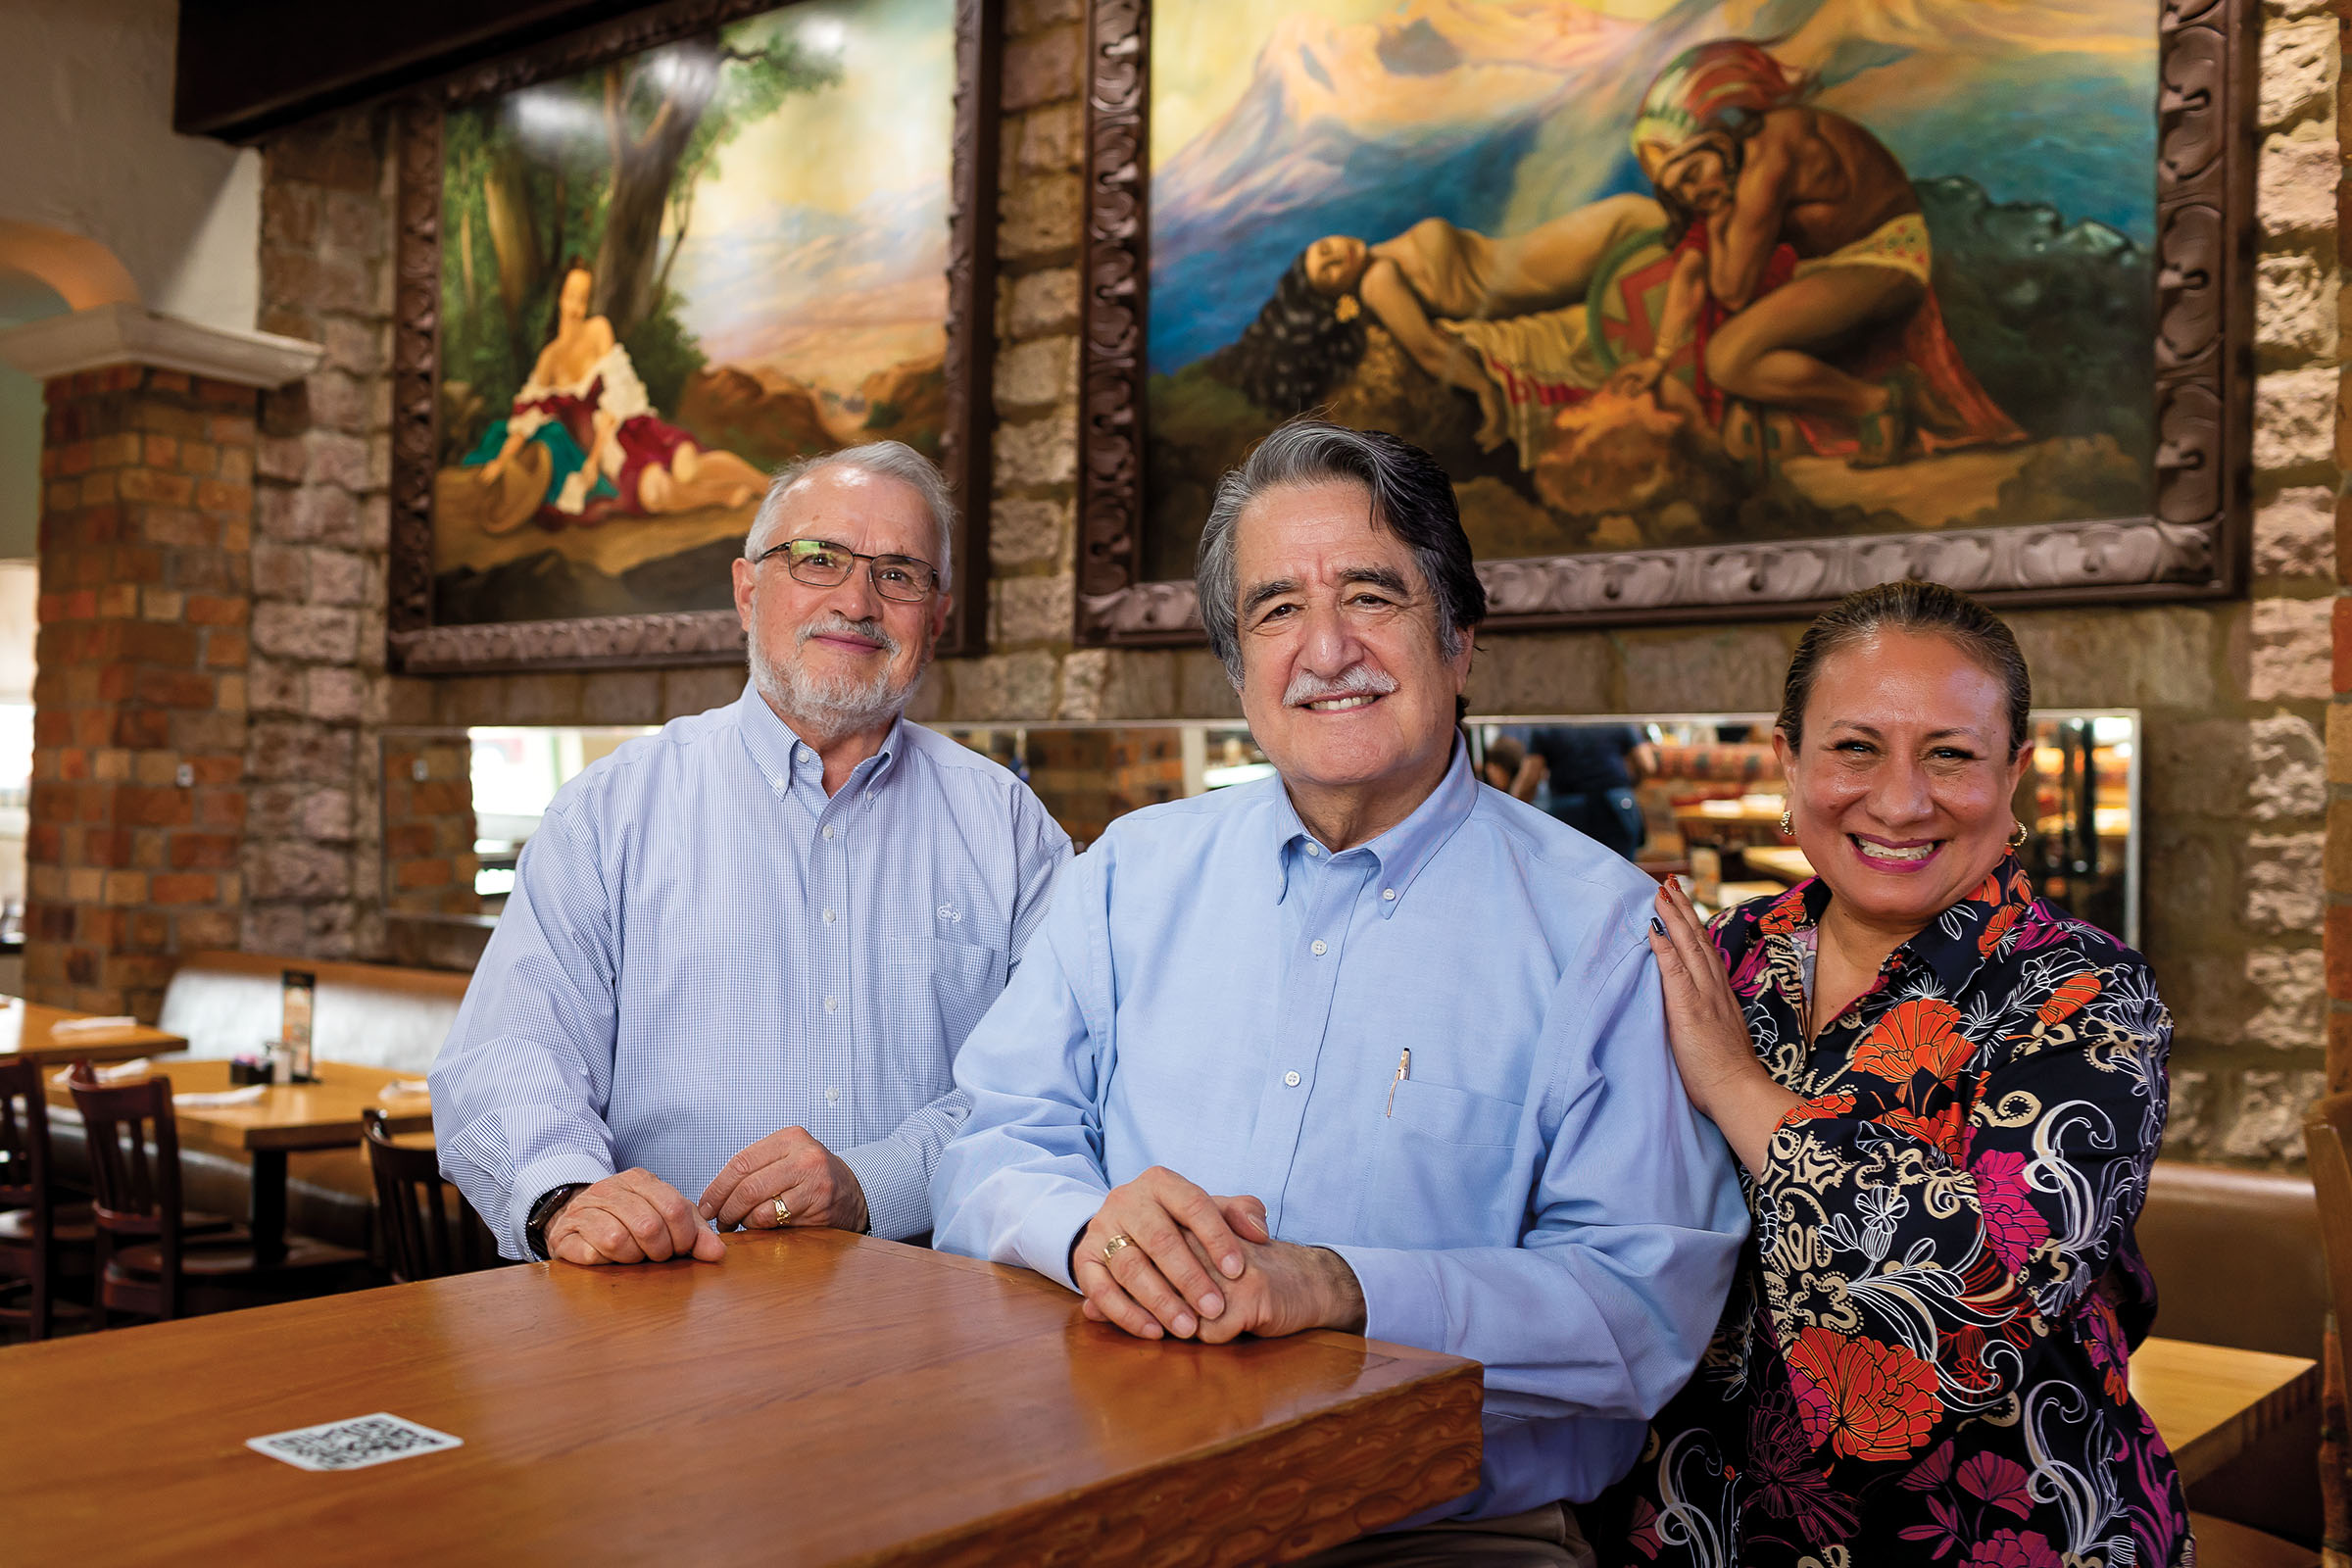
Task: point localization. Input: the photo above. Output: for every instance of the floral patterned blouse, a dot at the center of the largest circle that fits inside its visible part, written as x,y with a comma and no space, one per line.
1923,1357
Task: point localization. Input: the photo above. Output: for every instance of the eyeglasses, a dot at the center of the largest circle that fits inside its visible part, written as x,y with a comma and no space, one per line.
823,564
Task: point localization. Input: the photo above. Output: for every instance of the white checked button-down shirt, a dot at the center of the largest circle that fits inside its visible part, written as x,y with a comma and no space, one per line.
702,947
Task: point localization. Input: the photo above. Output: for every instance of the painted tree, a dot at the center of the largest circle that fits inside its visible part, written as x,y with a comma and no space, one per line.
666,115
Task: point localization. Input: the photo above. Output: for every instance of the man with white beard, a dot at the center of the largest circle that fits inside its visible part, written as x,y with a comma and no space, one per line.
741,954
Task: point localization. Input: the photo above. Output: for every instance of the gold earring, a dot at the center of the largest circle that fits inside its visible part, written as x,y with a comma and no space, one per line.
2017,840
1788,824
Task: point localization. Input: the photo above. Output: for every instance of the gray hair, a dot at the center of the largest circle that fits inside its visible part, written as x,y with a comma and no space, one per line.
884,460
1410,497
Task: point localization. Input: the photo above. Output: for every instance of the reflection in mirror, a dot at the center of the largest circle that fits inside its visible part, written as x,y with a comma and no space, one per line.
1690,795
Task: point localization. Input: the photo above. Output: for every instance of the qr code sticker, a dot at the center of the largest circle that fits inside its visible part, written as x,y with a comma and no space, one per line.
352,1444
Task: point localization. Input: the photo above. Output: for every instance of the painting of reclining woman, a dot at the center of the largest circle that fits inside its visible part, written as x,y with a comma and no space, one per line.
1642,279
668,276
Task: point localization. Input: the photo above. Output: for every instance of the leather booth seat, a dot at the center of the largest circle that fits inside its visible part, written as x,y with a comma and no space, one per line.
2238,1261
368,1015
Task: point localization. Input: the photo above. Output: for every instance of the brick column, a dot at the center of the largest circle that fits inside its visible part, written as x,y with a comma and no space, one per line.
137,807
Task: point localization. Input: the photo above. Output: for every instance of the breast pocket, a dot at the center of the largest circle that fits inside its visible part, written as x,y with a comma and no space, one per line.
1448,1170
946,983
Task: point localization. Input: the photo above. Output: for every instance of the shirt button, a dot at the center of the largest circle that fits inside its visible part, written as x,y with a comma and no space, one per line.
829,832
832,1096
1319,950
1314,850
828,917
1388,895
1291,1078
832,1002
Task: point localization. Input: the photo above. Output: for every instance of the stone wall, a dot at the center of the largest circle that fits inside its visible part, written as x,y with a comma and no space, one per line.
321,530
2234,694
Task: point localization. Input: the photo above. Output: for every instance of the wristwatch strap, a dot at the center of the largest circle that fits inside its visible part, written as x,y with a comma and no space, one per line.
543,1214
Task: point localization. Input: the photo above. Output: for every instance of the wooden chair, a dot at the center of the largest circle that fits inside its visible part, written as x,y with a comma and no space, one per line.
148,1257
2327,1142
42,1242
429,1229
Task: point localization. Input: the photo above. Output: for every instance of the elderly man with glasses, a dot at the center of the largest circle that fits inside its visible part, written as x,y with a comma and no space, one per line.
741,954
1367,1046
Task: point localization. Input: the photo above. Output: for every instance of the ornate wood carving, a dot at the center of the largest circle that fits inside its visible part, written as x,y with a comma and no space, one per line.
418,646
2193,546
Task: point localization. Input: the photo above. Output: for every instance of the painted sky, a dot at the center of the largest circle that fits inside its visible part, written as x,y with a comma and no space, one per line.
1277,121
819,248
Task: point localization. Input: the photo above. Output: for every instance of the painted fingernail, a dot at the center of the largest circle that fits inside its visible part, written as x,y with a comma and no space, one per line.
1185,1325
1658,926
1212,1304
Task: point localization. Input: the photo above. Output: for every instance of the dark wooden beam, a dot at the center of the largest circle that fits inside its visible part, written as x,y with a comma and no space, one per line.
249,67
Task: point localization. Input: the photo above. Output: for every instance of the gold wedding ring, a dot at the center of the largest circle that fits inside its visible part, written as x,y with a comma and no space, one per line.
1111,1249
783,1215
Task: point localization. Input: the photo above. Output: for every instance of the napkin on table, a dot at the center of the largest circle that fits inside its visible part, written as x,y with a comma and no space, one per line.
121,1072
250,1094
400,1087
65,1028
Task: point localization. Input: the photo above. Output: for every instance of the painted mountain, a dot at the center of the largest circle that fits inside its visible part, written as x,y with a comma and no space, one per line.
1499,114
2028,130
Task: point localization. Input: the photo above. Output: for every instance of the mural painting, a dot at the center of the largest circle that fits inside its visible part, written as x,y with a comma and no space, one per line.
1661,272
664,278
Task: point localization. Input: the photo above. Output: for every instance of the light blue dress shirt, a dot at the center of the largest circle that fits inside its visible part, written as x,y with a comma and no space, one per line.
1215,992
703,948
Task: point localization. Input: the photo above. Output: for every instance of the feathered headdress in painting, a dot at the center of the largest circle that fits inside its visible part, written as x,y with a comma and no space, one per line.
1719,87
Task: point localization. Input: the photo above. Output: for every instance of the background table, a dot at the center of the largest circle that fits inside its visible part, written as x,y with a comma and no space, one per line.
24,1037
817,1398
2209,1402
286,1118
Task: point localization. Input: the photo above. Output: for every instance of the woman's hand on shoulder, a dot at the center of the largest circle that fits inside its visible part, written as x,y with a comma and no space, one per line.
1709,1032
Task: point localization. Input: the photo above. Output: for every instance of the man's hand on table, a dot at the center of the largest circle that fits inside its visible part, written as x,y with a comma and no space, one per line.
634,1217
817,1188
1196,1265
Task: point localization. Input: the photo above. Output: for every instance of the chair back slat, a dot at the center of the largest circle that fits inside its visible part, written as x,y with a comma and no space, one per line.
429,1229
23,1138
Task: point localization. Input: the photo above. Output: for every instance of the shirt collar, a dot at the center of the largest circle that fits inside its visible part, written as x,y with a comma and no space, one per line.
784,760
1403,851
1953,946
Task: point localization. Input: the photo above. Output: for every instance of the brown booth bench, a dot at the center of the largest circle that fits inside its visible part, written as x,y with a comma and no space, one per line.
368,1015
2238,1261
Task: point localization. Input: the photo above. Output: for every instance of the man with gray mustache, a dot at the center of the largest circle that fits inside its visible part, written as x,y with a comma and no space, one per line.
741,954
1367,1046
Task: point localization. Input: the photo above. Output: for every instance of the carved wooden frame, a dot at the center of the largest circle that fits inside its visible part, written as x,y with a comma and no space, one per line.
417,645
2194,546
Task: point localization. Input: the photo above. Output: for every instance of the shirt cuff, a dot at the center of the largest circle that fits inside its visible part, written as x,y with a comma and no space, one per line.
534,1182
897,1192
1045,1233
1404,1303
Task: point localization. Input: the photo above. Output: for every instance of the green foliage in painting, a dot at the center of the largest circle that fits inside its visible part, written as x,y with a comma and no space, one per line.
597,170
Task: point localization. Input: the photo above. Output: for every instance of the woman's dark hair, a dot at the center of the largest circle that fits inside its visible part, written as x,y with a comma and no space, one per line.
1407,493
1287,359
1923,609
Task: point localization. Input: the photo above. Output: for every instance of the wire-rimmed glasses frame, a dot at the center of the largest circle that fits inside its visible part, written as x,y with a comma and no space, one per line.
822,563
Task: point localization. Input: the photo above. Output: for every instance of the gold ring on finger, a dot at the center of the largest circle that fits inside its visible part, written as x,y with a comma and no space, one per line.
783,1212
1111,1249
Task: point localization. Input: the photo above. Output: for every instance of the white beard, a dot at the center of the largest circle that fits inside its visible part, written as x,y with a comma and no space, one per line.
829,706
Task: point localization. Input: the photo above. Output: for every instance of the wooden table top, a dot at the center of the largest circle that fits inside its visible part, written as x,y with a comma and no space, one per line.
1784,860
290,1116
2210,1402
819,1397
24,1037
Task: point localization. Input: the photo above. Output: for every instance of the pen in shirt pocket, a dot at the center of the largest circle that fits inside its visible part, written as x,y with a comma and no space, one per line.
1405,1070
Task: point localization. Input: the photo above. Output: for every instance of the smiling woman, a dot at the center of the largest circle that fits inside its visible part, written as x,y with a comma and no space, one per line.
1947,1095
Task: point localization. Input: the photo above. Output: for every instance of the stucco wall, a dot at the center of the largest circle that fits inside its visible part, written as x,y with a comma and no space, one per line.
91,153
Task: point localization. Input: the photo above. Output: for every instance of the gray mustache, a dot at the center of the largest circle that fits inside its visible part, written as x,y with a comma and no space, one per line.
1356,680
